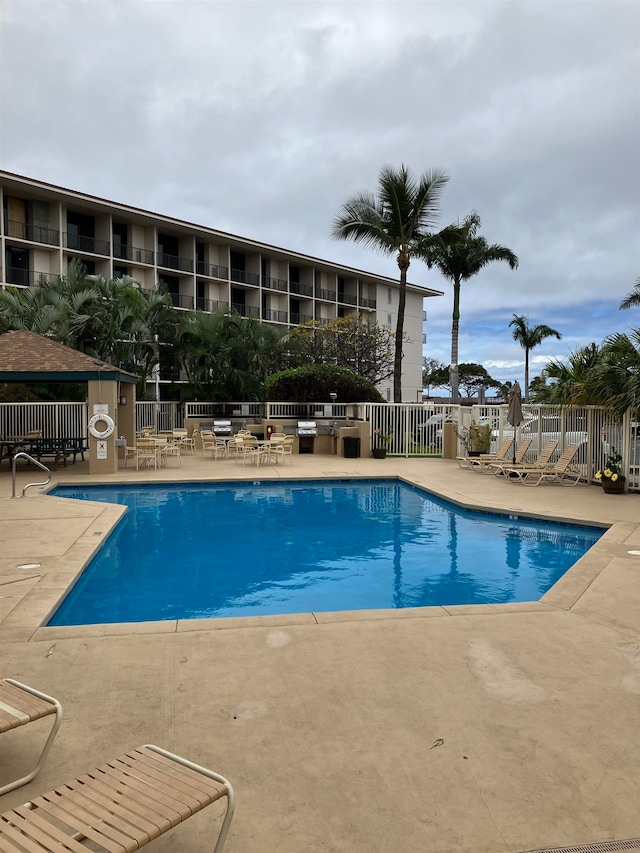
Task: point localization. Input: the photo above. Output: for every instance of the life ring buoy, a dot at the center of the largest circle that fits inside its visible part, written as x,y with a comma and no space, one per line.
101,433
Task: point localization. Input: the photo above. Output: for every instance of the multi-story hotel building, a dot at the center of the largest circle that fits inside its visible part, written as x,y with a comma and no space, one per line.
44,227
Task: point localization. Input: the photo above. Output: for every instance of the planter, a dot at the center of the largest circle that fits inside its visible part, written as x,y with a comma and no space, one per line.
379,453
615,487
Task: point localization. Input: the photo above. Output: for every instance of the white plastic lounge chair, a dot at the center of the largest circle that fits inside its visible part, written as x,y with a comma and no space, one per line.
117,808
486,458
20,705
563,472
544,458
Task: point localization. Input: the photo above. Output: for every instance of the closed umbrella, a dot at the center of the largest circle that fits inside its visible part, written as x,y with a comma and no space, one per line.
514,414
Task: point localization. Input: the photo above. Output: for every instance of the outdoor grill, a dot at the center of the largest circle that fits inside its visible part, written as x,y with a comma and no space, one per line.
222,427
307,432
307,428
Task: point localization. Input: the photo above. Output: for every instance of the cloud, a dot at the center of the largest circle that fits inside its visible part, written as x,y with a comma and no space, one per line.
261,119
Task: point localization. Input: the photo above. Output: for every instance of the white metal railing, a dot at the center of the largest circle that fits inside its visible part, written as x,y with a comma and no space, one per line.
55,420
417,428
161,416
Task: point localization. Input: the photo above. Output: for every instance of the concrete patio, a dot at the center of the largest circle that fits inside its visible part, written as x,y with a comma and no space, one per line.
483,729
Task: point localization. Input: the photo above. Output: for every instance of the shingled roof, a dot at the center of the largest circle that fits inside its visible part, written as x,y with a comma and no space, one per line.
28,357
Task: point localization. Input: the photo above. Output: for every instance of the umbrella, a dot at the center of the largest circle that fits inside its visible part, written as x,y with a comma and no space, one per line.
514,414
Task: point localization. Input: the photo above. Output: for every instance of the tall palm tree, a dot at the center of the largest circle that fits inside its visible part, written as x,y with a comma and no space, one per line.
393,222
529,337
632,299
459,253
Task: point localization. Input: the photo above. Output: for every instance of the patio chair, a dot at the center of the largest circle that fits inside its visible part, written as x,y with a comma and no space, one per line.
170,450
119,807
283,449
563,471
147,453
544,458
211,443
486,458
20,705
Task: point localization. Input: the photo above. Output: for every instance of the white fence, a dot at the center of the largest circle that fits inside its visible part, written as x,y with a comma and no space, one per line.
56,420
417,429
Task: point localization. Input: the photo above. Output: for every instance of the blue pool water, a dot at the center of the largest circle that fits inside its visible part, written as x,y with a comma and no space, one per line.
210,550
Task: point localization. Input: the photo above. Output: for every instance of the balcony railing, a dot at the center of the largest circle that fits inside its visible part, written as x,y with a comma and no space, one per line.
367,303
203,304
329,295
91,245
274,316
347,299
180,300
246,310
245,277
302,289
212,271
299,319
274,283
133,253
35,233
174,262
323,320
24,278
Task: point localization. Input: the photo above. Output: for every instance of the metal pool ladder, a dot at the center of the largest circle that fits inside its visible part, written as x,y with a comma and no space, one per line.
28,486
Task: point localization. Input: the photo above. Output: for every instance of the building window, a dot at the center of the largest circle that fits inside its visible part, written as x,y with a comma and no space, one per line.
389,296
388,395
120,272
389,320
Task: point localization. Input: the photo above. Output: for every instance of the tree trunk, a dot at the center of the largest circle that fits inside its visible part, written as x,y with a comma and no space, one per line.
403,263
455,325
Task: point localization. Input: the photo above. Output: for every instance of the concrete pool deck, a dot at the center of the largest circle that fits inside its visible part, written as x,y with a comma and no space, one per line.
482,729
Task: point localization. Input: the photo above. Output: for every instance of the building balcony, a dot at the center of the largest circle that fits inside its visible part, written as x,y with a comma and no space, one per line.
203,304
327,295
174,262
26,278
212,271
89,245
299,319
347,299
302,289
274,316
34,233
180,300
275,283
246,310
245,277
368,303
133,253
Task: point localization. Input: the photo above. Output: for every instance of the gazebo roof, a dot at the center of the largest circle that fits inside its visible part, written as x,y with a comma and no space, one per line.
28,357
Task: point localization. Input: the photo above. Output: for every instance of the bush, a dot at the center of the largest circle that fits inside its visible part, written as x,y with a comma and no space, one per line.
315,383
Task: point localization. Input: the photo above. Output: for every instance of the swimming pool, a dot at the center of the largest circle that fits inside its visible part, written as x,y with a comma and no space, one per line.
249,549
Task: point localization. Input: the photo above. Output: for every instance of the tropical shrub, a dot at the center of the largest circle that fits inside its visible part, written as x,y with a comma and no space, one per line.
316,382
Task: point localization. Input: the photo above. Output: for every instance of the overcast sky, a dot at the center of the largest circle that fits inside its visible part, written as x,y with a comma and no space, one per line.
262,118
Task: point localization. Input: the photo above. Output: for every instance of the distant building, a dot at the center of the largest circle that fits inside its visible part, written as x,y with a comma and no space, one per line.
44,227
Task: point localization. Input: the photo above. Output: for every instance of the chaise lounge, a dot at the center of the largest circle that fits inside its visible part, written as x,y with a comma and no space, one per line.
117,808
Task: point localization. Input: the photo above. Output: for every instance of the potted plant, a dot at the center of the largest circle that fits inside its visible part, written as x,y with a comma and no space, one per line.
476,438
381,442
611,476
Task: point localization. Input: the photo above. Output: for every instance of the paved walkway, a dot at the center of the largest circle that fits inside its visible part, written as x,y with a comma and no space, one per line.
493,729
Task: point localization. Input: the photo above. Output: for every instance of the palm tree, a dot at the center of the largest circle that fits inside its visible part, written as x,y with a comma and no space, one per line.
459,253
632,300
529,337
394,222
